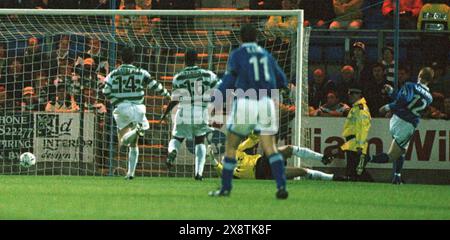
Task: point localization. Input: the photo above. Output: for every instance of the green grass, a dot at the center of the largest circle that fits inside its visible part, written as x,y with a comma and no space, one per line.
61,197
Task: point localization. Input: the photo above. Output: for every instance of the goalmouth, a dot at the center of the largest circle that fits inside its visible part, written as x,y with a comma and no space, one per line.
47,55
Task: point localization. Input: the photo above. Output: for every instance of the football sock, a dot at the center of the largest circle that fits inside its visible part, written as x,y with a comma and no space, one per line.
306,153
380,158
318,175
129,137
277,166
133,155
200,158
174,144
227,173
398,164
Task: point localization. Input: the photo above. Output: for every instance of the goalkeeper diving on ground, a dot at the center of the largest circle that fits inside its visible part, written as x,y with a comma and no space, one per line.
251,165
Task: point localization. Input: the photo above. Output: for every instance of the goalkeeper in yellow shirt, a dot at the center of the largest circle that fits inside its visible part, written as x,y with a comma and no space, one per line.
256,166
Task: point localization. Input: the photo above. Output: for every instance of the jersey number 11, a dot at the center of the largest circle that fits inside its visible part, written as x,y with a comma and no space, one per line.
265,64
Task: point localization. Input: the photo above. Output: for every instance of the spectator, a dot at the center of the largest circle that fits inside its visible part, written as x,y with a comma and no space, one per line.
3,102
33,55
101,5
16,3
446,113
41,86
43,4
17,79
441,80
332,108
62,102
409,11
144,4
83,76
134,25
29,100
63,50
360,62
98,4
388,63
91,103
66,75
319,88
175,4
56,4
3,62
346,79
317,12
404,75
281,22
374,90
264,4
348,13
97,53
436,108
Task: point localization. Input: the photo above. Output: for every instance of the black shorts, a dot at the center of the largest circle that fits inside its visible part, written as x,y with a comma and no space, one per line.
263,169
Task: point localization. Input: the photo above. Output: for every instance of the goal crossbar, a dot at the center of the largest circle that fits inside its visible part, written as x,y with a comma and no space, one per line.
72,12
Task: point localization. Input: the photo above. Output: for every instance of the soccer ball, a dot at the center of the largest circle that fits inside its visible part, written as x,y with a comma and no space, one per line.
27,159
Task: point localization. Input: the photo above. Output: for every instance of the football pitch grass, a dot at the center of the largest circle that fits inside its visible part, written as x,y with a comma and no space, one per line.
64,197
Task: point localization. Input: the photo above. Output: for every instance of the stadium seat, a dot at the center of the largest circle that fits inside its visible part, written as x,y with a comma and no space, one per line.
315,53
334,54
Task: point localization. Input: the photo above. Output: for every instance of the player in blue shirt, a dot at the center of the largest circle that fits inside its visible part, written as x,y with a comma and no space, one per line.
251,74
409,104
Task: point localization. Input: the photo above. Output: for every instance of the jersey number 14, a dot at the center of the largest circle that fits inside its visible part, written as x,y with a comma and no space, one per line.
130,84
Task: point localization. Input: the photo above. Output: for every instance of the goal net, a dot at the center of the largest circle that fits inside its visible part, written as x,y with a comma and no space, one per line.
53,64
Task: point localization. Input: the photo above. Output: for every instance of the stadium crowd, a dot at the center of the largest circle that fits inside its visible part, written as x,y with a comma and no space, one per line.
64,81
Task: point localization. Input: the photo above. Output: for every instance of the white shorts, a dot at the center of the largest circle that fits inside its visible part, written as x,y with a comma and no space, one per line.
401,131
250,115
126,113
191,122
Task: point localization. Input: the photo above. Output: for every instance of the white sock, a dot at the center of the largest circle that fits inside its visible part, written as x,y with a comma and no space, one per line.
174,144
129,137
318,175
200,158
133,155
307,153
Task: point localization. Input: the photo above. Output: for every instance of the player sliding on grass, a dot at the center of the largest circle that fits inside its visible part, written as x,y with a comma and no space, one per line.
256,166
125,89
252,72
191,120
410,102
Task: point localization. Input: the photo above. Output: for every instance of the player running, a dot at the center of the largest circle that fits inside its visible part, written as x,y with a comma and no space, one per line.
410,102
125,89
256,166
250,69
191,119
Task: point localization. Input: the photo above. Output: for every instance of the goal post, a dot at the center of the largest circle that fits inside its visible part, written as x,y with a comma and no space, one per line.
53,64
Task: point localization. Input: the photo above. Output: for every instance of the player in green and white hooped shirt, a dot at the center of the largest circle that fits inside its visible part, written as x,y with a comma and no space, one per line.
125,89
190,89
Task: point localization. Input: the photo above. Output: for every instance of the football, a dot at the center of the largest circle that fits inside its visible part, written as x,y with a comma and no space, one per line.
27,159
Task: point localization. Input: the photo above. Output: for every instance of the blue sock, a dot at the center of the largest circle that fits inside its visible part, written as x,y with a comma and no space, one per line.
398,164
380,158
227,173
277,166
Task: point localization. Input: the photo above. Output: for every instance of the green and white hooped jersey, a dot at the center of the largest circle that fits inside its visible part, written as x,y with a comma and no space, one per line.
127,84
194,81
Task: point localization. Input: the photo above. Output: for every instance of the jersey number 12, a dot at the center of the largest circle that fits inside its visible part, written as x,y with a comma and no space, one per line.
416,106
